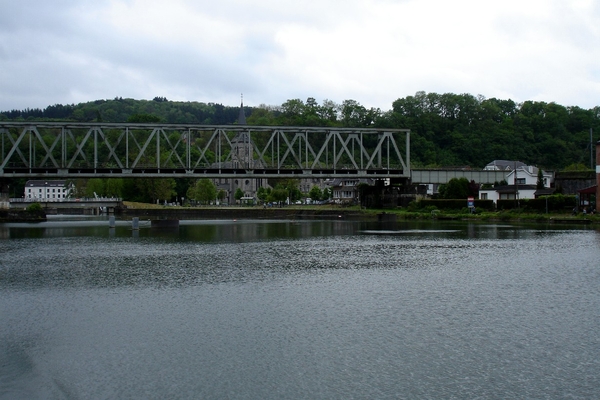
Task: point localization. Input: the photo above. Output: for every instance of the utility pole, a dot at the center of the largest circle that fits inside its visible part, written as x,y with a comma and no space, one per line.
591,150
516,186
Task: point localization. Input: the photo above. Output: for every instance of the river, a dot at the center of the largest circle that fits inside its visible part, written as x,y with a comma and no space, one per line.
299,310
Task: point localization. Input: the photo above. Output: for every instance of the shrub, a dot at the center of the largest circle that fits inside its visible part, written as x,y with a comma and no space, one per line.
34,207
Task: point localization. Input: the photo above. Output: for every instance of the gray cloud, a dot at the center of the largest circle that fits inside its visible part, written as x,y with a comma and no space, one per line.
370,51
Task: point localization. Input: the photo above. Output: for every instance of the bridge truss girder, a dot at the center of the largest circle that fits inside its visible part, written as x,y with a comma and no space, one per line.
86,150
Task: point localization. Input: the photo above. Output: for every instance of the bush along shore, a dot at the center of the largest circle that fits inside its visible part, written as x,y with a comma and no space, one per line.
14,215
422,210
418,211
555,208
243,212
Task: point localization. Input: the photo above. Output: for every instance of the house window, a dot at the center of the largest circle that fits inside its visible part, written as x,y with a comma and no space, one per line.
484,196
520,181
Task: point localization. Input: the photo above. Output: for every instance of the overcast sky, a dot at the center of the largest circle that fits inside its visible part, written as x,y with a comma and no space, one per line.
371,51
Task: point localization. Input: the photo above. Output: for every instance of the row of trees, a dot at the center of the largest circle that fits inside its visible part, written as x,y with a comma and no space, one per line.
452,129
201,191
461,129
147,190
446,129
122,110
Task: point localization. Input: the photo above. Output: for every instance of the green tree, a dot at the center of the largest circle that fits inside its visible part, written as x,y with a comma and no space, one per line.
292,112
329,112
263,115
362,190
34,207
157,189
315,193
576,167
355,115
143,118
113,187
540,180
278,195
94,186
191,193
263,193
182,185
239,193
291,187
456,188
205,191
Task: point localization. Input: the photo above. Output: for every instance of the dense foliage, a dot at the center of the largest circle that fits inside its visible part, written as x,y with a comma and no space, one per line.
462,129
446,129
130,110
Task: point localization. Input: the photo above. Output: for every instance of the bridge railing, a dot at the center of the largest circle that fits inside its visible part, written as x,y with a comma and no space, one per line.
67,200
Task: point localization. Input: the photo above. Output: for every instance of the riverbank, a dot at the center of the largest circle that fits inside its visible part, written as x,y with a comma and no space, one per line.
336,212
16,215
243,213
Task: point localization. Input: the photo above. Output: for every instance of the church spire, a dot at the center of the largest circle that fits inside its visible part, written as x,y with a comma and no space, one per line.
242,116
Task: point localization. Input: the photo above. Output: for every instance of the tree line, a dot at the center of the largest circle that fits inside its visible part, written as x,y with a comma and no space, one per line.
446,129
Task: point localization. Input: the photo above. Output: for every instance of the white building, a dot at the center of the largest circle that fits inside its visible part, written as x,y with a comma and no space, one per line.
522,182
46,190
346,190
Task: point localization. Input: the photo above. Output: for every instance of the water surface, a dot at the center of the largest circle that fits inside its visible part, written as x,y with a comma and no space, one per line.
309,309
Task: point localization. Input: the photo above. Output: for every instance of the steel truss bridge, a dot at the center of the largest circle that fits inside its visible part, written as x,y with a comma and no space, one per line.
57,150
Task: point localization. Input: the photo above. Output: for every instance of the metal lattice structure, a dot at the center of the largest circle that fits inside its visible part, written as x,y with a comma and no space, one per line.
86,150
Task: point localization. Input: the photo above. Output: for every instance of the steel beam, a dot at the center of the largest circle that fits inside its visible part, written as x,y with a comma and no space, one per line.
87,150
444,175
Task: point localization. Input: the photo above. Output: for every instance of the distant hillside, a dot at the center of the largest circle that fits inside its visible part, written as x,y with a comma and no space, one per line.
121,110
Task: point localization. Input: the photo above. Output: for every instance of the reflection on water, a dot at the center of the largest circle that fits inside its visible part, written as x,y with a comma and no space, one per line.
309,309
249,230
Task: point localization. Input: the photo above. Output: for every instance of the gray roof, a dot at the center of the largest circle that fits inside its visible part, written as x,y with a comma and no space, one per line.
506,165
48,183
241,137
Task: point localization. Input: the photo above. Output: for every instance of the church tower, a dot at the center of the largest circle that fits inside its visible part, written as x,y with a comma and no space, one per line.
242,115
242,157
243,154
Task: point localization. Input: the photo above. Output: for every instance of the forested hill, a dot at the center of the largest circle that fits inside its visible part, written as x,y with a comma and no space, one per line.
122,110
446,129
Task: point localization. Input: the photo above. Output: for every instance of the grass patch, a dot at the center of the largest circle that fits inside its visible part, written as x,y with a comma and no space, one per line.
135,205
